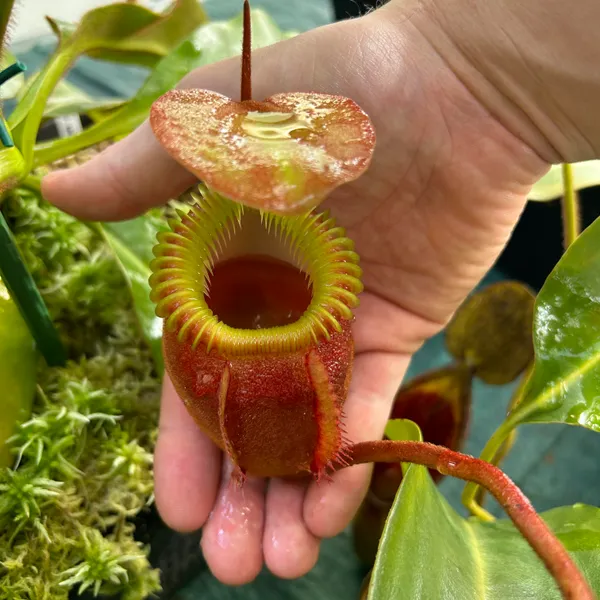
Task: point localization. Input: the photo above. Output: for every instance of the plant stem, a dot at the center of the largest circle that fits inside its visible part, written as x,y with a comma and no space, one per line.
247,54
559,563
491,450
26,118
500,455
570,207
498,446
12,168
33,183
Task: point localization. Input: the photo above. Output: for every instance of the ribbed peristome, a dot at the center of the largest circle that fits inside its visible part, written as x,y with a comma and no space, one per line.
185,258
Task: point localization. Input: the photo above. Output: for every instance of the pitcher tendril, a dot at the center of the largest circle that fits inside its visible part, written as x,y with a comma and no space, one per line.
557,560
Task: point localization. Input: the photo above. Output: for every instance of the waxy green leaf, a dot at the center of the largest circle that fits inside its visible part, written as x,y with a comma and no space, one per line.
130,33
132,242
565,384
428,551
550,186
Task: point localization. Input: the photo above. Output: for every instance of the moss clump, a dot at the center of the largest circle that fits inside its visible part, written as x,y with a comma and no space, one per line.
83,461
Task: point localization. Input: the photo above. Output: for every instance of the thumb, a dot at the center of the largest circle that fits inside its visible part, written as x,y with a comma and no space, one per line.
135,173
123,181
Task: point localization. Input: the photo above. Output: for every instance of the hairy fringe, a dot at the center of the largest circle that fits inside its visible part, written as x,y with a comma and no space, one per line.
5,35
363,11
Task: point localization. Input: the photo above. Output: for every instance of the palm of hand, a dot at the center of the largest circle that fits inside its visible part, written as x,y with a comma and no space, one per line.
429,218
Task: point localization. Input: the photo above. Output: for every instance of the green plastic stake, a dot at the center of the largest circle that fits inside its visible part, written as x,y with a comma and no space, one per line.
5,75
24,292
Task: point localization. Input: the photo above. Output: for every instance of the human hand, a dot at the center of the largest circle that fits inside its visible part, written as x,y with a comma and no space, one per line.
445,188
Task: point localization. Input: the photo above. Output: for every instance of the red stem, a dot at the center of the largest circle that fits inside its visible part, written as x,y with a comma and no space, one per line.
247,54
570,580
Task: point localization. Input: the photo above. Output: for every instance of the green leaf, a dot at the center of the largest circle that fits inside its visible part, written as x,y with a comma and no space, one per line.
131,33
25,120
211,43
18,366
222,39
139,234
428,551
32,97
134,33
12,168
403,430
550,186
132,242
165,76
565,384
25,294
68,99
386,478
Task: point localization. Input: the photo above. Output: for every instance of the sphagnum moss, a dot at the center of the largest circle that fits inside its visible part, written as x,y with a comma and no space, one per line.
84,458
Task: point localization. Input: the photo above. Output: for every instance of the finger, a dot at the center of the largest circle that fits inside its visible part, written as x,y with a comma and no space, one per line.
187,466
290,549
232,537
136,173
329,507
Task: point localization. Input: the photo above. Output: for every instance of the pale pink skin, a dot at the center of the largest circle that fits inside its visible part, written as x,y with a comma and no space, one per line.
429,217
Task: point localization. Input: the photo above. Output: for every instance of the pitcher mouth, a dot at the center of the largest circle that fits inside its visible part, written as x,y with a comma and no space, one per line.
311,261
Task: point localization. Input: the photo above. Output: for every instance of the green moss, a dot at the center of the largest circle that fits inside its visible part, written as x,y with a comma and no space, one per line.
84,460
